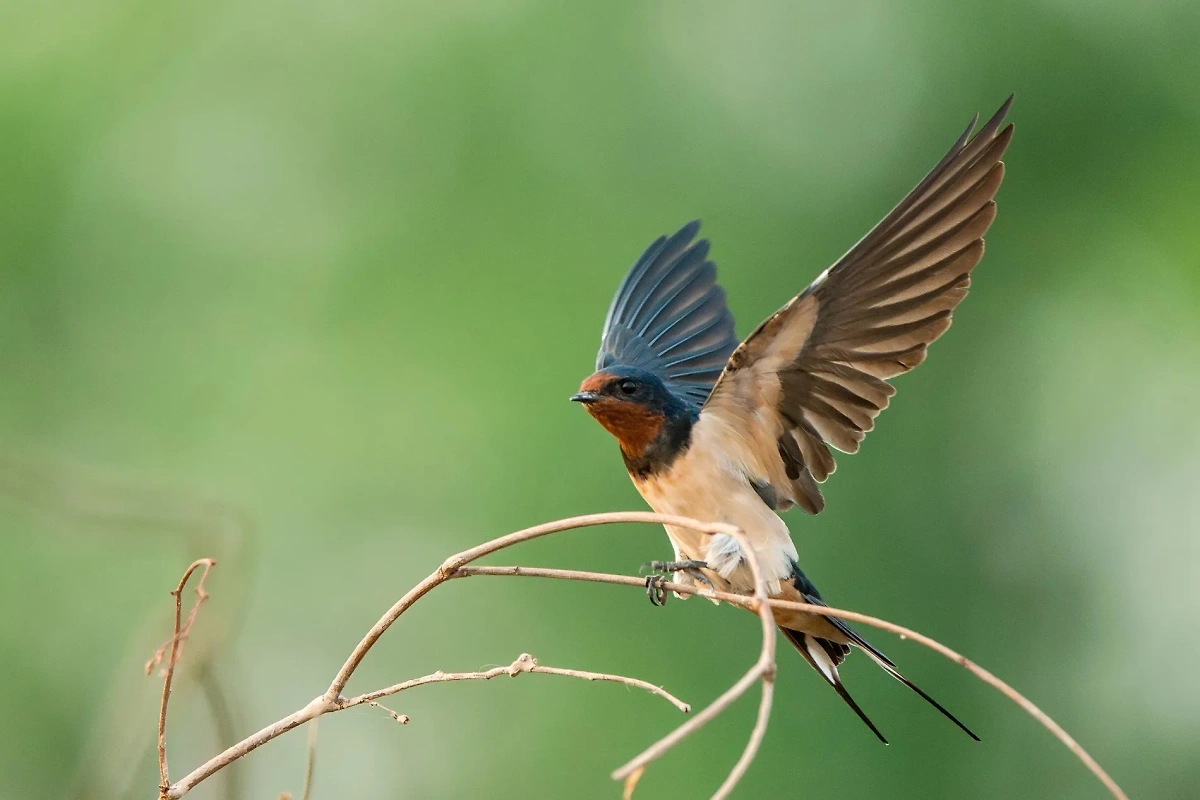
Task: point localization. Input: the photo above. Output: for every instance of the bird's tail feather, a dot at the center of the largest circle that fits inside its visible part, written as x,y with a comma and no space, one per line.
817,653
890,669
888,666
801,642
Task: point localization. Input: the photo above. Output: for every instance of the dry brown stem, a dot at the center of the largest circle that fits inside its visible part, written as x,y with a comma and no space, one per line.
852,616
175,643
631,783
86,501
524,663
763,670
310,761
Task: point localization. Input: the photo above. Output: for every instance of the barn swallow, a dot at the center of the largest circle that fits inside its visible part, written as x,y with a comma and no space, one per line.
721,431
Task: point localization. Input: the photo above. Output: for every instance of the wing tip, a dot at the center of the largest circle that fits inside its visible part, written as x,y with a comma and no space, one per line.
688,231
996,119
993,123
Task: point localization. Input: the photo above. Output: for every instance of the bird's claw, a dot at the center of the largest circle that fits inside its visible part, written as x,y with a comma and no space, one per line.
663,569
655,590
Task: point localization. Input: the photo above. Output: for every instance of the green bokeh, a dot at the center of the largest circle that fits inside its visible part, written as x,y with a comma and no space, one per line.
339,265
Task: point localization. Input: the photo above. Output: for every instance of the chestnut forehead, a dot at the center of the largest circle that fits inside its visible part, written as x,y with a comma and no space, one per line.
596,382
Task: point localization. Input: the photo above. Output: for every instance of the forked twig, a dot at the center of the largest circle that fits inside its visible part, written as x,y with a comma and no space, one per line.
763,670
175,643
852,616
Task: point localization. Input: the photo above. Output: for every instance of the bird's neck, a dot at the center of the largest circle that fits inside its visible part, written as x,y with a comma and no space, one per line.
654,451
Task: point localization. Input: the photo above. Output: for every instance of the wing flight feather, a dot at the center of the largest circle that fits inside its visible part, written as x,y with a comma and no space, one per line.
815,374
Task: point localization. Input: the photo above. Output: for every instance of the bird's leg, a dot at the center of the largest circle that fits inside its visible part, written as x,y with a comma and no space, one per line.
662,569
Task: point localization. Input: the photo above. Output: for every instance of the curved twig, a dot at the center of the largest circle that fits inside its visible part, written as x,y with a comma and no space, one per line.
763,669
175,644
458,566
451,564
328,702
852,616
524,663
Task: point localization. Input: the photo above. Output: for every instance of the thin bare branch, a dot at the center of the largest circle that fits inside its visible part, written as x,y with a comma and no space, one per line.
457,566
524,663
175,643
852,616
179,638
637,683
222,710
86,501
756,737
487,548
763,669
329,701
766,674
631,783
310,761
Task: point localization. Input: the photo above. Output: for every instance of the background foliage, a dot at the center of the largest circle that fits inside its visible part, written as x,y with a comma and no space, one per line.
340,264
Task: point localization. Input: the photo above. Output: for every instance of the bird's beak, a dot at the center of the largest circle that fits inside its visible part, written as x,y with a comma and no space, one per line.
586,398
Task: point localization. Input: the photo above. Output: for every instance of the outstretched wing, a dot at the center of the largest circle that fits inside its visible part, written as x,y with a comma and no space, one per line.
669,318
815,373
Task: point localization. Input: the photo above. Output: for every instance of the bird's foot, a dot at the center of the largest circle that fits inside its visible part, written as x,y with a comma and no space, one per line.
655,590
665,569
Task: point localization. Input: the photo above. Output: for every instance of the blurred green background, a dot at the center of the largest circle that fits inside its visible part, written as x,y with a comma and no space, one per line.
305,287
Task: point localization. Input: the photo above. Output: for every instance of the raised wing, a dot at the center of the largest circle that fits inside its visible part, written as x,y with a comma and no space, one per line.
815,373
669,318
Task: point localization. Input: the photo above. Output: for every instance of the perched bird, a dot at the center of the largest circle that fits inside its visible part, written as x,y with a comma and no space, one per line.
720,431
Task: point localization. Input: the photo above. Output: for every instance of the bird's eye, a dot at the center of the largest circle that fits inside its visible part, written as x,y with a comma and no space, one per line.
628,388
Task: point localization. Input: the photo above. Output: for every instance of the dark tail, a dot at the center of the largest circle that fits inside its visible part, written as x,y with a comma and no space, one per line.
890,669
824,656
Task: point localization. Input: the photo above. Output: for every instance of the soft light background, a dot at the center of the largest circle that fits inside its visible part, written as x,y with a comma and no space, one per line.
305,287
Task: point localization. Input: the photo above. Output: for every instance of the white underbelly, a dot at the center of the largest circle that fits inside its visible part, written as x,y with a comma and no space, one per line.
704,489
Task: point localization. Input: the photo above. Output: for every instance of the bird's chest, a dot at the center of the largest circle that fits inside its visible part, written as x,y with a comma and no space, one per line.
708,490
694,487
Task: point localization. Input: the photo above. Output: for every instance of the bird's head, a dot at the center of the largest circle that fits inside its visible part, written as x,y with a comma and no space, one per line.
632,404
